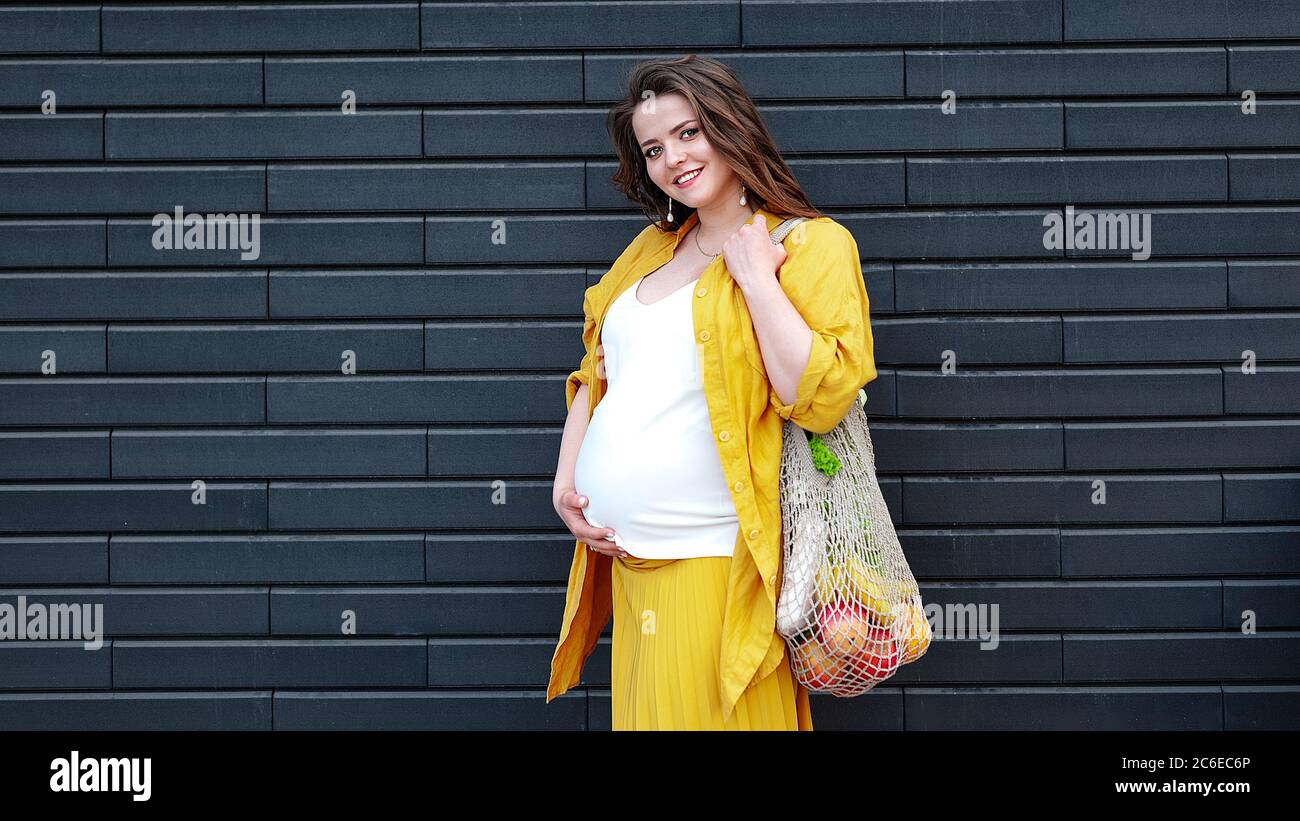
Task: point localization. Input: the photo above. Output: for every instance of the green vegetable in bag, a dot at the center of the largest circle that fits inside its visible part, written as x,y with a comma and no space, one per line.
825,461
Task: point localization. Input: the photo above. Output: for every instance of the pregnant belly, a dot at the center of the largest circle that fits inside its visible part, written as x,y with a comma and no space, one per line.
652,486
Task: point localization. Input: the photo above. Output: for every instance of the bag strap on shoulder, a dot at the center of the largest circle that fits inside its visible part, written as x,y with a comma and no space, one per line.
779,232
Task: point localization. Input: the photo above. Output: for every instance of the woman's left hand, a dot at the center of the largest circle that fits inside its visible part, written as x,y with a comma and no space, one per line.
752,258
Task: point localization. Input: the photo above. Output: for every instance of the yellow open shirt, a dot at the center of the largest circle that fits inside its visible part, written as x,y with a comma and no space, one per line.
822,276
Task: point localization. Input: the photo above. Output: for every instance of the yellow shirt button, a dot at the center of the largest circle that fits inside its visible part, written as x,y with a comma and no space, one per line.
704,336
771,580
724,435
702,292
753,534
739,486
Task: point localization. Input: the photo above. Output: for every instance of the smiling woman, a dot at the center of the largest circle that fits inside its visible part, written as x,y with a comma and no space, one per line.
669,465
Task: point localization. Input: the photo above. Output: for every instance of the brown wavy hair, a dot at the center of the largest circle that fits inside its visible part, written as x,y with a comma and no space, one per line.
728,119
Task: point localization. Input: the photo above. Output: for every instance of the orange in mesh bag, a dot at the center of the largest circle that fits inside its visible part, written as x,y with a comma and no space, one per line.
849,608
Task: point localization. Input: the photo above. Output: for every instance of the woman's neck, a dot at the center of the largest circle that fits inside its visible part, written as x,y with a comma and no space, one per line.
718,222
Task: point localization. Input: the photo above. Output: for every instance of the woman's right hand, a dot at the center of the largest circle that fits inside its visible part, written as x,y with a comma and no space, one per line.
569,504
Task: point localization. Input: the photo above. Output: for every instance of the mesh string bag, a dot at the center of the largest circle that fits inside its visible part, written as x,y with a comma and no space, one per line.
849,607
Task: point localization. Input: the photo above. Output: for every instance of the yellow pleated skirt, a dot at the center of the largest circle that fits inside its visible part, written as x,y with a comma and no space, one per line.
667,650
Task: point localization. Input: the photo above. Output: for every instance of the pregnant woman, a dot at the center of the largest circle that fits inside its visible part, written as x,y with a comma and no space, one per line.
701,341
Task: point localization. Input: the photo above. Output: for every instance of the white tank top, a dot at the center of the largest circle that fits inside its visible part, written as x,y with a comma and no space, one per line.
648,464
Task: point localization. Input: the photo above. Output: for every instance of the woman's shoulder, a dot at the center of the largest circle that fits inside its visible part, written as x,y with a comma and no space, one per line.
819,238
649,238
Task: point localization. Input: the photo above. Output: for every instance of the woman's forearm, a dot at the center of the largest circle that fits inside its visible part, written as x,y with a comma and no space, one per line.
784,338
575,429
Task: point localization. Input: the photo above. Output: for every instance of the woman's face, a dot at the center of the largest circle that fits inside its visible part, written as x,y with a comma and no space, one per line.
673,144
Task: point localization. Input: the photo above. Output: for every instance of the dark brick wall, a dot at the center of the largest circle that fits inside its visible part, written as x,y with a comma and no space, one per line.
415,492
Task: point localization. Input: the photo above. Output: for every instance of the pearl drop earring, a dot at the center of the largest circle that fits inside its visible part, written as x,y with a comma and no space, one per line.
670,209
742,193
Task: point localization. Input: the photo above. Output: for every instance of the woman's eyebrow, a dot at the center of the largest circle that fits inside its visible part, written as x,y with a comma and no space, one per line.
674,128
